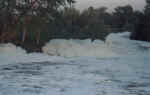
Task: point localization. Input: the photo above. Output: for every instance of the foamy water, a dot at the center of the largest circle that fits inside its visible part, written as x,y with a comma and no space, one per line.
118,66
116,44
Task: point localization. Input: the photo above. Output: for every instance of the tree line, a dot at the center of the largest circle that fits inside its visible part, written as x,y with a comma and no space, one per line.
37,21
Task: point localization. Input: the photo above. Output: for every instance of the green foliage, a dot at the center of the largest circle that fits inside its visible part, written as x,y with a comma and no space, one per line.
30,15
123,18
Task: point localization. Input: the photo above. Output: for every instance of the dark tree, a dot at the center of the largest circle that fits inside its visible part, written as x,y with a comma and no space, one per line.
142,31
24,11
123,17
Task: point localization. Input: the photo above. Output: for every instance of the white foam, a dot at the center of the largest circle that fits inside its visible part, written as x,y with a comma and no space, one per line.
122,45
10,49
9,54
75,48
86,75
116,44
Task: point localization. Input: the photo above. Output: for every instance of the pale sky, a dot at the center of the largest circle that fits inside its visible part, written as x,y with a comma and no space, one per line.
82,4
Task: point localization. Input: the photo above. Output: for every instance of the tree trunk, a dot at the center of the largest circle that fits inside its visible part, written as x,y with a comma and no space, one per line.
24,34
4,29
38,38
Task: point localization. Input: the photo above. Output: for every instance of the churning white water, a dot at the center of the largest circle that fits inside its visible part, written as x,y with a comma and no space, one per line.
122,68
116,44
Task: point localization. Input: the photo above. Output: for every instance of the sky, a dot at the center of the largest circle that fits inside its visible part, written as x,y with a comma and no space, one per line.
111,4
